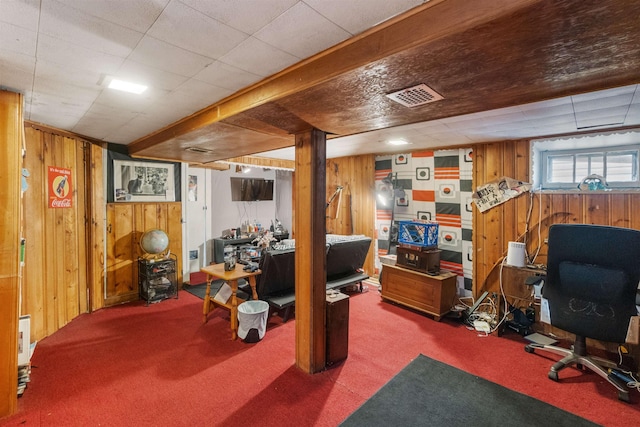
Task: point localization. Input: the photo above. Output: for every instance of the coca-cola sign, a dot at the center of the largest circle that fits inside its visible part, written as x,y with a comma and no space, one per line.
60,189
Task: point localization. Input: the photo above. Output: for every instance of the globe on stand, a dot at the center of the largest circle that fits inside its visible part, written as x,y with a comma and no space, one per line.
154,243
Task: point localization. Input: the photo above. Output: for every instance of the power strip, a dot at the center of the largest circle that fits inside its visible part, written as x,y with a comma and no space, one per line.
481,326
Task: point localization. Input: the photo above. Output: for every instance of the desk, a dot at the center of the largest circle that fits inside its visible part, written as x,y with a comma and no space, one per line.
514,288
217,271
519,295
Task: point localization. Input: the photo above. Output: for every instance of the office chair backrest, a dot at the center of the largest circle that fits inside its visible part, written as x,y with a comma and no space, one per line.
592,278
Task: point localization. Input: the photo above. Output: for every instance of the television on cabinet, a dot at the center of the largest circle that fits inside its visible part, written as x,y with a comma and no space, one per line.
251,189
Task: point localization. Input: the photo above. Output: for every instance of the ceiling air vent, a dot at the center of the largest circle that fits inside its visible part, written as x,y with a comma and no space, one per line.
199,150
415,96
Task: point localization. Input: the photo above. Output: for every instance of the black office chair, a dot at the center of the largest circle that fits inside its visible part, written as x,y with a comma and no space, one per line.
592,277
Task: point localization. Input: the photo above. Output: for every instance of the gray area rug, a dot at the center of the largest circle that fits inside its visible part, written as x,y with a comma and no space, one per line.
430,393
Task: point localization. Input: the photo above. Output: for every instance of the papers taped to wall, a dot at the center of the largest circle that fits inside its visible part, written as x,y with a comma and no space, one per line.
497,192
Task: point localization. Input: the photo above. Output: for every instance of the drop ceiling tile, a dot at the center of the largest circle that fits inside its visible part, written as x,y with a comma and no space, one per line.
129,101
356,16
502,119
154,53
450,137
189,29
98,111
164,111
155,78
605,122
74,26
17,39
430,126
65,92
622,90
248,15
559,119
195,95
68,111
258,57
636,95
227,76
24,13
16,70
99,126
302,32
606,112
138,15
462,122
79,76
633,116
72,55
136,128
543,110
604,102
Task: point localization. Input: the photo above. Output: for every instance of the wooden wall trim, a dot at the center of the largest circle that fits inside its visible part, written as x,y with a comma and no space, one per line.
97,208
10,173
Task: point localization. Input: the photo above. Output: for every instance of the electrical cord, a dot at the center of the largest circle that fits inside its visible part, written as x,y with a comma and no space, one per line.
634,383
532,260
506,304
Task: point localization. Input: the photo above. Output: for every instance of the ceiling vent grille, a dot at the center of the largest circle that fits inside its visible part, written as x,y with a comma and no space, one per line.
199,150
415,96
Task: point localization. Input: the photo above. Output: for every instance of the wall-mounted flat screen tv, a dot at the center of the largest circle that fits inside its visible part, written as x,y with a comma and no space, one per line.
251,189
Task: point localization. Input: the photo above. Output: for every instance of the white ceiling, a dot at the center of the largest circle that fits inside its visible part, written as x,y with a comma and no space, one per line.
192,53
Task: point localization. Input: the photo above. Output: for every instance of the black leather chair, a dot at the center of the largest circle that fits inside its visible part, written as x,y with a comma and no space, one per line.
592,277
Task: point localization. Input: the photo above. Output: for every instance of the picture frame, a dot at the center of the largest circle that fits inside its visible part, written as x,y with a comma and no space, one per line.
139,181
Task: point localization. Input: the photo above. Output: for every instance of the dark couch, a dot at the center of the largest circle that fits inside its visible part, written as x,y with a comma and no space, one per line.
345,259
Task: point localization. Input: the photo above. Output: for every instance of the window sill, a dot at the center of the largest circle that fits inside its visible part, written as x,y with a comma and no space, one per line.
578,191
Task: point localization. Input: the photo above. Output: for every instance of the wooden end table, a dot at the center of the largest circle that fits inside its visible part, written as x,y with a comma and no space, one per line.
216,271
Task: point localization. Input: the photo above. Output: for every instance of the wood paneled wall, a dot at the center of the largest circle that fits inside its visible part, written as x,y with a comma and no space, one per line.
56,270
126,223
356,213
495,228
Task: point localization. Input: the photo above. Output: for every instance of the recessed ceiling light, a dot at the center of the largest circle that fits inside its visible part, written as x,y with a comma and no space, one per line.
127,86
397,142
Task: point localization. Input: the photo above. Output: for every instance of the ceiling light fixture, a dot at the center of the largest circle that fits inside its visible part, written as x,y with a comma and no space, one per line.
397,142
127,86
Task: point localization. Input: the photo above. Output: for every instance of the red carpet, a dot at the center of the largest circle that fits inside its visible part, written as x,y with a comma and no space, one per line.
159,365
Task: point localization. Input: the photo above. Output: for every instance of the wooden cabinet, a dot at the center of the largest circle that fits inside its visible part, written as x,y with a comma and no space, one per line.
434,295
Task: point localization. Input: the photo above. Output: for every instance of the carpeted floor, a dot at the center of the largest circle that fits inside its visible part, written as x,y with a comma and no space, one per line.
428,392
160,365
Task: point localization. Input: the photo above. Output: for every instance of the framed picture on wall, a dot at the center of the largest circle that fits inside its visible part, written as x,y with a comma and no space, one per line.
139,181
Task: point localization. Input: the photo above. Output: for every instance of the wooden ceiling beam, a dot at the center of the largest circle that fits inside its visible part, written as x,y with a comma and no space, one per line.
426,23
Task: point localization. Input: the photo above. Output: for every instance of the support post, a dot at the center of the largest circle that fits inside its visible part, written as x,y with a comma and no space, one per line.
310,231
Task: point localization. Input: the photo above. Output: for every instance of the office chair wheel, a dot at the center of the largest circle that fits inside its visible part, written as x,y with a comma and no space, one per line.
553,375
529,349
